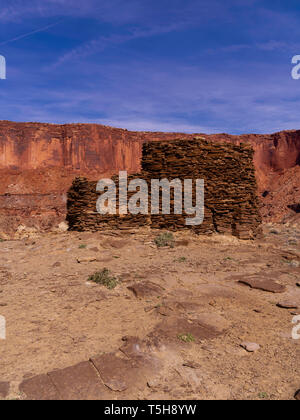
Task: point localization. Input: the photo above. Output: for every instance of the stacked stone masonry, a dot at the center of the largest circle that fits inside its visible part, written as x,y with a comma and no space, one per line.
231,204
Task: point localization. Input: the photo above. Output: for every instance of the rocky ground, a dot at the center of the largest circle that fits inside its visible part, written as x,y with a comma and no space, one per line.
210,318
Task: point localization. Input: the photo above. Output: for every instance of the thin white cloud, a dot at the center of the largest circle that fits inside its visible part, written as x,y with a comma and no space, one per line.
103,42
169,125
42,29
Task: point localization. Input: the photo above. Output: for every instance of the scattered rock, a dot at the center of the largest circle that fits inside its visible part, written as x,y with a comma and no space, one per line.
146,289
82,260
153,383
63,227
297,395
4,389
267,285
192,365
287,304
56,265
250,347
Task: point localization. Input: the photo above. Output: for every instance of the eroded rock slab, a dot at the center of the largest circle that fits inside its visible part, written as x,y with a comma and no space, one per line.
288,304
116,373
173,328
79,382
146,289
39,388
264,284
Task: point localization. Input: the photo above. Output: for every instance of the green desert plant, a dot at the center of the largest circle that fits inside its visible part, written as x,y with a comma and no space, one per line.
186,338
165,239
82,246
105,278
263,395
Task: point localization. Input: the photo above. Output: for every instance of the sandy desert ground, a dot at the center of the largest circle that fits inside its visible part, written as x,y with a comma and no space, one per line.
183,312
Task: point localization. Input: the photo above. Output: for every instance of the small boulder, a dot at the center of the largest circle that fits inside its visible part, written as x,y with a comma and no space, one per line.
63,227
287,304
86,260
250,347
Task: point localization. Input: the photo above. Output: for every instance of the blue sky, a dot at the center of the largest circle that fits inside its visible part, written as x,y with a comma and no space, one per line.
167,65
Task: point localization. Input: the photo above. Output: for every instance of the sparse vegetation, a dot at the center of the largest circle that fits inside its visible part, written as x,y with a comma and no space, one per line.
263,395
181,259
105,278
82,246
165,239
186,338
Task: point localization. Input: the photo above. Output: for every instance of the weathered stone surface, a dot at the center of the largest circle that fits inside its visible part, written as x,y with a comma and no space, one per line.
250,347
231,204
116,373
172,328
39,388
215,321
146,289
4,389
265,284
288,304
191,364
82,260
133,347
79,382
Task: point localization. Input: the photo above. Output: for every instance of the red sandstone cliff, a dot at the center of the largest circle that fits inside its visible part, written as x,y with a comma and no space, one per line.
39,161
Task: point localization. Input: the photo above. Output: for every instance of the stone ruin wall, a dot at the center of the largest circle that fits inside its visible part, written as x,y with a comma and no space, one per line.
231,204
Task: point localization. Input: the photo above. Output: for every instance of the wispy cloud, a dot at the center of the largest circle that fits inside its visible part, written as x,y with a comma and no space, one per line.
101,43
26,35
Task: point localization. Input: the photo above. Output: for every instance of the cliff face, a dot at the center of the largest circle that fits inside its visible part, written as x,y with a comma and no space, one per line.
83,147
91,147
42,159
